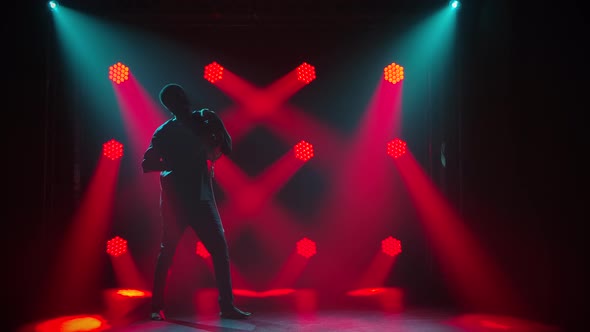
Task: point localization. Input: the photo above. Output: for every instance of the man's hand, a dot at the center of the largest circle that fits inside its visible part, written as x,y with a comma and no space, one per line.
216,133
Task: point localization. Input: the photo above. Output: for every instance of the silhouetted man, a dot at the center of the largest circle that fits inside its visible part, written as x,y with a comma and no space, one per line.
184,150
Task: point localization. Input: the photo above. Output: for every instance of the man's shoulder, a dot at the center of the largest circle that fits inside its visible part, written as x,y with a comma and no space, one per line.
164,125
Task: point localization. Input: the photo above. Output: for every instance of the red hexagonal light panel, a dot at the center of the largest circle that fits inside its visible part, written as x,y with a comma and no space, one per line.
213,72
396,148
393,73
391,246
116,246
112,149
303,151
306,73
306,247
118,73
202,251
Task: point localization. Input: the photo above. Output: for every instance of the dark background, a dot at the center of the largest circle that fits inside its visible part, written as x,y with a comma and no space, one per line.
515,147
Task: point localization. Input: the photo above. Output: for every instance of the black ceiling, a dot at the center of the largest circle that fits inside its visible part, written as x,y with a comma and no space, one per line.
256,9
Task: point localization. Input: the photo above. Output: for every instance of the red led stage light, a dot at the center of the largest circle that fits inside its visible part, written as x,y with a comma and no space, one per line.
303,151
306,247
306,73
118,73
393,73
391,246
396,148
213,72
112,149
116,246
201,250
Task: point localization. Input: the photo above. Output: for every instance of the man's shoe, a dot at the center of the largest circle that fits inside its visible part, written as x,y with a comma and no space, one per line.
234,313
158,315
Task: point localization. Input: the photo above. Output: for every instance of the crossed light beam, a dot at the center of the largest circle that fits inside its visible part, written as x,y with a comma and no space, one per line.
268,106
252,196
256,106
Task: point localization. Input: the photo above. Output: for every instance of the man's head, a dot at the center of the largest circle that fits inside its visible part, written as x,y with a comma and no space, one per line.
173,97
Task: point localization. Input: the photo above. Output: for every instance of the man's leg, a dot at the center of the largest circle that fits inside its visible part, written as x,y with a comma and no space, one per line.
210,231
171,233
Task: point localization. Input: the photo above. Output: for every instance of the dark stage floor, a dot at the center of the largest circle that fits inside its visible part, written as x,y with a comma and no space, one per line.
342,320
275,317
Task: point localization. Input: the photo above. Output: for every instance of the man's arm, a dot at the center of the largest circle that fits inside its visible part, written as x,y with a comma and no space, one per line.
219,128
152,160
